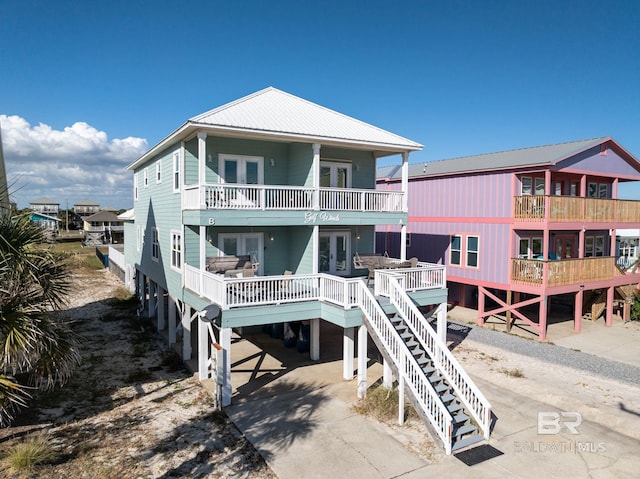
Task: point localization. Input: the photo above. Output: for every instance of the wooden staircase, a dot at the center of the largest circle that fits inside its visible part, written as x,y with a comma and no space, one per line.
465,431
443,395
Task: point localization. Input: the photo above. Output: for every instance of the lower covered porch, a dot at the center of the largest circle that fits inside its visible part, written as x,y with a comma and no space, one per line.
215,311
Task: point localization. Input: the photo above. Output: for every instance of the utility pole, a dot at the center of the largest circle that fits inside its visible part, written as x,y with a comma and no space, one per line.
67,211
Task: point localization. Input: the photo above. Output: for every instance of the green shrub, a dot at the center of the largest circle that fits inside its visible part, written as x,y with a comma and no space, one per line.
35,450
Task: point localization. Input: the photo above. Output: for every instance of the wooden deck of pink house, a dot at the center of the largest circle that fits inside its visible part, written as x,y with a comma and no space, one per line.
517,228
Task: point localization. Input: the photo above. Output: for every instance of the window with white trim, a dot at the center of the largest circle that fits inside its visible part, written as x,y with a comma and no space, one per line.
526,186
135,186
176,171
176,250
593,246
159,171
155,246
146,177
455,250
539,183
140,238
472,251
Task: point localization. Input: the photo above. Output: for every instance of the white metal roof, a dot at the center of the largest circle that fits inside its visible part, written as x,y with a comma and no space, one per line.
275,114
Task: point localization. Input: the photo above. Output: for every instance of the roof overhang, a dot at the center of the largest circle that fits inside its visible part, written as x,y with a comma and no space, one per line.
188,129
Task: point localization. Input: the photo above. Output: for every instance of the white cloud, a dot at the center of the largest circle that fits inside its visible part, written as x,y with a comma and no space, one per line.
76,163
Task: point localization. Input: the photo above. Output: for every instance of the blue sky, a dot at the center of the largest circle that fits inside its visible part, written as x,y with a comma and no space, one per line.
86,87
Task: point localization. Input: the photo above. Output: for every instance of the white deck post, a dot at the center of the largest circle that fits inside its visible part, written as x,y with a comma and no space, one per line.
186,333
152,299
172,320
314,340
202,164
441,325
362,361
225,342
142,291
203,350
401,400
316,176
347,353
387,375
161,322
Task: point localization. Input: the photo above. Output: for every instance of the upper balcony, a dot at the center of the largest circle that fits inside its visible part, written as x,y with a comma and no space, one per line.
568,209
225,196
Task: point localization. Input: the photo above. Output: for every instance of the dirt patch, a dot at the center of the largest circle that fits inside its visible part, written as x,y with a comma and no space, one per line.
130,410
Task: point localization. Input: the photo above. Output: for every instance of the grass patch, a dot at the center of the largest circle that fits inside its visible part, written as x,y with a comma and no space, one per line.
123,298
24,456
513,373
382,404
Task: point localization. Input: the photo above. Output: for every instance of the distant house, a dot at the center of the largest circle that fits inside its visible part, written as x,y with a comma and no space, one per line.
524,232
83,209
48,223
627,247
45,206
102,228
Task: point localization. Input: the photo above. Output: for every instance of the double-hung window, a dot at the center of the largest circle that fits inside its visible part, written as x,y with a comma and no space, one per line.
146,177
155,246
158,171
472,251
176,171
455,250
176,250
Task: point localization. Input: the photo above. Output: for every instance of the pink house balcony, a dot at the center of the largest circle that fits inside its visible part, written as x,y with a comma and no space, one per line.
567,209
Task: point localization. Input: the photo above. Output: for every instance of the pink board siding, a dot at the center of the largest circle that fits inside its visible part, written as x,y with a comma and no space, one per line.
471,196
593,162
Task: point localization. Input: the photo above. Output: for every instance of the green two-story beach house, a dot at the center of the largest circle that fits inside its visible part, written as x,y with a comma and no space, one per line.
263,212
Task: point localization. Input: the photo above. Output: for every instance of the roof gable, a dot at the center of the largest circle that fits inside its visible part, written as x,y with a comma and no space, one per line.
560,155
275,111
277,115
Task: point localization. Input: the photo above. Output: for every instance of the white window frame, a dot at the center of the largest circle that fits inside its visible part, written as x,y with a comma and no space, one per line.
468,251
155,245
333,166
242,166
177,171
451,250
158,171
175,238
135,186
522,186
538,182
145,181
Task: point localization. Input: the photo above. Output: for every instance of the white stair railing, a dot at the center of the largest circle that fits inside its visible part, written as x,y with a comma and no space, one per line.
407,366
444,360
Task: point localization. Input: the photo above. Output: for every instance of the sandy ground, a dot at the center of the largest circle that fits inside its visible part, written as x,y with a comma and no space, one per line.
131,410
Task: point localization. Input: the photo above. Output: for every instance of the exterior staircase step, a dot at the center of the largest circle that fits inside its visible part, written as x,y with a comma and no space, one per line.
463,430
466,441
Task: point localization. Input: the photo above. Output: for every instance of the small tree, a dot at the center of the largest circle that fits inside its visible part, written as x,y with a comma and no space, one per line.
35,340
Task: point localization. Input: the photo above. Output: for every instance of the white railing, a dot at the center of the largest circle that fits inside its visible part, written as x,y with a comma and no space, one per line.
116,257
444,360
265,290
407,366
280,197
424,276
343,199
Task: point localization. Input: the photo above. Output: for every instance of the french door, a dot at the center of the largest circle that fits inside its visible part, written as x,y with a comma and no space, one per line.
242,170
334,250
566,246
238,244
335,174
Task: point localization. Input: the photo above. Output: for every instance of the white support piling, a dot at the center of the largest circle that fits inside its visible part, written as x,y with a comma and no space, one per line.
314,340
225,342
362,361
186,332
348,343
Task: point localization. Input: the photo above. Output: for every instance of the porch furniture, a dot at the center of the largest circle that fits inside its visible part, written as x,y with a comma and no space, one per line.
221,264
